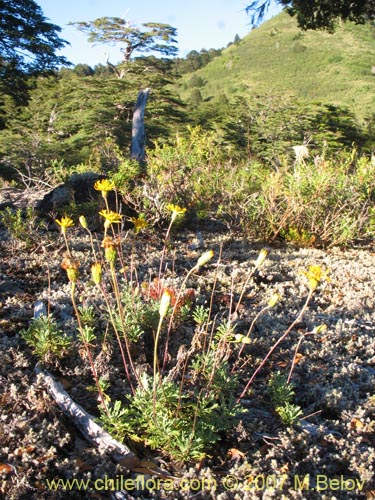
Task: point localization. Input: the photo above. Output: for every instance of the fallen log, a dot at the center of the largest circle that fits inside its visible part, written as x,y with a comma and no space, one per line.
82,419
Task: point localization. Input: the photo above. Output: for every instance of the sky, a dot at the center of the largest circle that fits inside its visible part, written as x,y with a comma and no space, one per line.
201,24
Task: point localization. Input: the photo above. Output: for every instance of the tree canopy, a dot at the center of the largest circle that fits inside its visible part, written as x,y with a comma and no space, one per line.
150,37
28,42
28,45
318,14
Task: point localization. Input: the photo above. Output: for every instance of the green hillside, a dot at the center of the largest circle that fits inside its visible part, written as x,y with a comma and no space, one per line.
279,58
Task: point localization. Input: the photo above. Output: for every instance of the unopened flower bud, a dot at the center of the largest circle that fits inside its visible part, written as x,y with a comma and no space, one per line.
320,329
204,258
96,273
261,258
164,303
83,222
110,254
72,274
243,339
274,300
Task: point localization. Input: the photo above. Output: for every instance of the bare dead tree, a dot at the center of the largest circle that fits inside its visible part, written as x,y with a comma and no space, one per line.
138,126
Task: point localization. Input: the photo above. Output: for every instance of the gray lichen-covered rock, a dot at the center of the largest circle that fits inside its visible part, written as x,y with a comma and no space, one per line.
79,188
78,192
11,197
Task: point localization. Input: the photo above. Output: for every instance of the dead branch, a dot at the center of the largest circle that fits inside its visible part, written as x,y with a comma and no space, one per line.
82,419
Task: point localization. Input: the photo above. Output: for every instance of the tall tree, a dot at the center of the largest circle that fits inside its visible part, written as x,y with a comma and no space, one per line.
318,14
27,41
150,37
28,45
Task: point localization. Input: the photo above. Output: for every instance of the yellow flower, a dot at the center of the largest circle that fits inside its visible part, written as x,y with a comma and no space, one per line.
315,275
204,258
164,303
96,273
139,223
64,223
176,210
110,217
104,185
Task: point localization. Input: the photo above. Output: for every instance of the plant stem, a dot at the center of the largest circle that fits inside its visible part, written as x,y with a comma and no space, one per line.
178,296
66,244
262,311
113,322
87,348
121,316
296,352
299,317
155,366
164,248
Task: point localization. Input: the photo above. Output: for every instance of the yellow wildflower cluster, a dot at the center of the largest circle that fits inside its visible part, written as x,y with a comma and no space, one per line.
139,223
104,186
315,274
176,210
110,217
64,223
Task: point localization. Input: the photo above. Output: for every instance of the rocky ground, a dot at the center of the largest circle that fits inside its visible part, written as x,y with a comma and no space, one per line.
329,453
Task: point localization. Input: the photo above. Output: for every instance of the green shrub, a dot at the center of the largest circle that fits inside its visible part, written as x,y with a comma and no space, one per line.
183,426
22,225
46,339
320,202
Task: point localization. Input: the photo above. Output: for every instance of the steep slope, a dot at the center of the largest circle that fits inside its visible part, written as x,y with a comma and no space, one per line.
279,58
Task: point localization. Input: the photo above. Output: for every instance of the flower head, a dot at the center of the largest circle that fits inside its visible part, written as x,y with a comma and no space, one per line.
139,223
110,217
204,258
301,152
164,303
110,246
83,222
104,185
64,223
275,298
176,210
71,266
261,258
96,273
315,275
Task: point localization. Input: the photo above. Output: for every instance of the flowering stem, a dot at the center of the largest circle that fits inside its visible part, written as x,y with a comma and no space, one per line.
121,315
299,317
262,311
165,247
66,244
87,348
92,244
113,322
295,354
177,299
156,366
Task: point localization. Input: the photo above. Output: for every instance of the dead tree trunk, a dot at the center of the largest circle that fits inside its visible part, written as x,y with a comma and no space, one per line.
138,127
